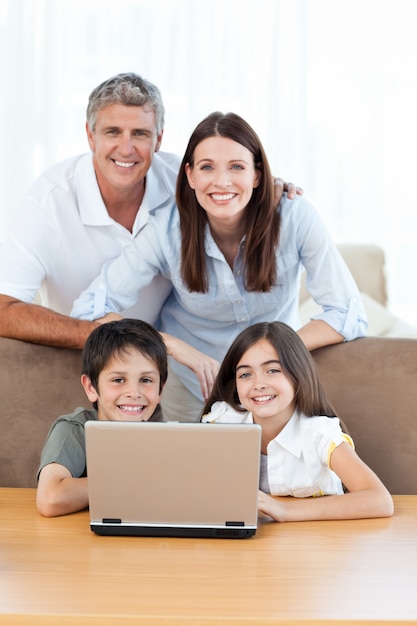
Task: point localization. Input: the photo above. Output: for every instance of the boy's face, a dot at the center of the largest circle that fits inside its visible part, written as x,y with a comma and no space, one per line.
128,388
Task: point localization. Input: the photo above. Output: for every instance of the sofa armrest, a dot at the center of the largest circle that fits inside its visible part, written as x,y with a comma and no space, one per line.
372,384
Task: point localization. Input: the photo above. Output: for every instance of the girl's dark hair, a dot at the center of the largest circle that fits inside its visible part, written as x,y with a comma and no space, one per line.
115,338
262,220
296,362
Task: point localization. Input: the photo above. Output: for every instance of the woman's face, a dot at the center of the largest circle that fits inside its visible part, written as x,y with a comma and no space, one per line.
223,177
262,386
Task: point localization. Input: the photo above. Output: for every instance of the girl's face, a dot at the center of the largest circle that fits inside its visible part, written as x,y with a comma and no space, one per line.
127,389
223,177
262,387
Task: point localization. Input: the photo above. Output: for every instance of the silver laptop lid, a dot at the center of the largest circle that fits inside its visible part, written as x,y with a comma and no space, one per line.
150,475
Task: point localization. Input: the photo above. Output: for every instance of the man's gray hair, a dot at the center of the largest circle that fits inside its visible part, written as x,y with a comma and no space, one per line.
128,89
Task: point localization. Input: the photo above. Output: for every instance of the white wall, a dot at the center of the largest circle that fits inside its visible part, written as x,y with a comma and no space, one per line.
329,85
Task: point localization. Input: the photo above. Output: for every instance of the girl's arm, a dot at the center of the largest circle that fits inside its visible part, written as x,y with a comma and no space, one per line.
367,496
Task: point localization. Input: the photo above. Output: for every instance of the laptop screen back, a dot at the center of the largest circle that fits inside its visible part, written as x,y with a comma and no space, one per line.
173,478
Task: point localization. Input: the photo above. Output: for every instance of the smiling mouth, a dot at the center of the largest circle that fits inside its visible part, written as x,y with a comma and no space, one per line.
222,197
261,399
124,164
137,409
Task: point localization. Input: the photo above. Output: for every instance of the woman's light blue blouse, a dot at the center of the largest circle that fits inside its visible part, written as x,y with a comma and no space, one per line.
211,321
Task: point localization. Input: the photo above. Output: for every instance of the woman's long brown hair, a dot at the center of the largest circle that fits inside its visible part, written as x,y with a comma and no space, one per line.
262,220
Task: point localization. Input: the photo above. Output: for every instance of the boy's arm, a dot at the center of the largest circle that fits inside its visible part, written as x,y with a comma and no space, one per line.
59,493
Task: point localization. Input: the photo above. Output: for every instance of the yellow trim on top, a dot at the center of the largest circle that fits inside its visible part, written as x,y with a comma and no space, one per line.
332,446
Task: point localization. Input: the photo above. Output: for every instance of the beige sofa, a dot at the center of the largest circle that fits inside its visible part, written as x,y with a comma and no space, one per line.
371,381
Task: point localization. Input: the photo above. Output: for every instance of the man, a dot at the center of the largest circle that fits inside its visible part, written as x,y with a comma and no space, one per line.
83,211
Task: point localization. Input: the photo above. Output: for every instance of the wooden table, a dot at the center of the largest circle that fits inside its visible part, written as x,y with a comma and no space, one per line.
56,571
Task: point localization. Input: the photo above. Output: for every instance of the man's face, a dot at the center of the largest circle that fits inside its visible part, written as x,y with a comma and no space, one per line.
123,143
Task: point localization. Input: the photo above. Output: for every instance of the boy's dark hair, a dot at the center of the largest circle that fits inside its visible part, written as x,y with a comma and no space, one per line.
117,337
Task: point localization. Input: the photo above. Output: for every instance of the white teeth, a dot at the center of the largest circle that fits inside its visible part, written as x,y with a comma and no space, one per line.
263,398
123,164
131,409
222,196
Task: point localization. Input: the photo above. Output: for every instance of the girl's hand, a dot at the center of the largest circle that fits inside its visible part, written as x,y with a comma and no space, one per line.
271,506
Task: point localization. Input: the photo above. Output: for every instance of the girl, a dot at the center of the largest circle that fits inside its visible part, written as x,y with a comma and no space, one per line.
268,377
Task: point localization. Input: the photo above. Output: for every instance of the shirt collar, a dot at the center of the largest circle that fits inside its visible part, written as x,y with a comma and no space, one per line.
91,207
159,191
211,246
289,437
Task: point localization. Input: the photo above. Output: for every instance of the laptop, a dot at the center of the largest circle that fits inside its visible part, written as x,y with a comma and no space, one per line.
173,479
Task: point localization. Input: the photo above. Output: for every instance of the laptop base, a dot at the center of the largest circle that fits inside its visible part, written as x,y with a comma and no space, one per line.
169,531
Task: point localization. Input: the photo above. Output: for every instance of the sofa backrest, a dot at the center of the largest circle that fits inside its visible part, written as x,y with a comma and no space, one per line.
371,382
37,384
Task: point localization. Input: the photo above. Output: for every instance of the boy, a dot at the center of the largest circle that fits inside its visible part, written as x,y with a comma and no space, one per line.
123,373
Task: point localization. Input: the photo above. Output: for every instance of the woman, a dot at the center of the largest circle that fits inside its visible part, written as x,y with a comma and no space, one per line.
233,260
